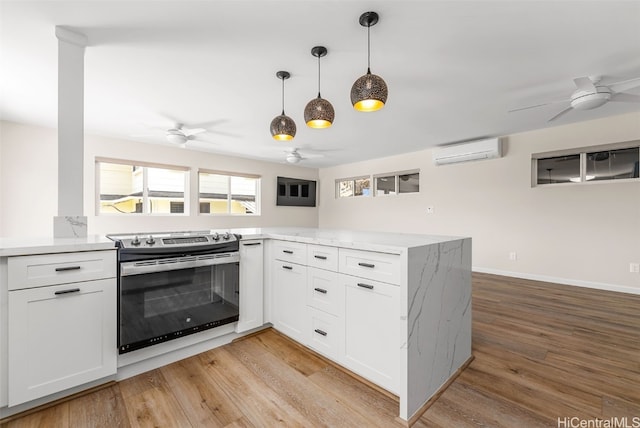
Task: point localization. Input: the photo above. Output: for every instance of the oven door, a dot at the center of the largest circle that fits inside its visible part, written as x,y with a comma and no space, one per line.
167,298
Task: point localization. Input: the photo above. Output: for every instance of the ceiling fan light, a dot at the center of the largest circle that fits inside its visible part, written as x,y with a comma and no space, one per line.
319,113
283,128
293,157
175,138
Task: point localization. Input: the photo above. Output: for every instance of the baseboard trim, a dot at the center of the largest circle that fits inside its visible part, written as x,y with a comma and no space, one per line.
414,418
565,281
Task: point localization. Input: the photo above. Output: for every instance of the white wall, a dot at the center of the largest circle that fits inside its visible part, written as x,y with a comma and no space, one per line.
28,178
584,234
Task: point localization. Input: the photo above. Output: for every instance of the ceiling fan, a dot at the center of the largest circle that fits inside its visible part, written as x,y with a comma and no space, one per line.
590,94
294,156
179,135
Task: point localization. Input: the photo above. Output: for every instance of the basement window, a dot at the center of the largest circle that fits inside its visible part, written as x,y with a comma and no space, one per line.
135,188
228,193
593,164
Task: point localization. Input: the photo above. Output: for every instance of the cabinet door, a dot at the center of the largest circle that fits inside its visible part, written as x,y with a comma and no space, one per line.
60,337
372,330
289,291
251,285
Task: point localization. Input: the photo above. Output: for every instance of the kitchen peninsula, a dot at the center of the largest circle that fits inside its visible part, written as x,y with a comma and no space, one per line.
393,308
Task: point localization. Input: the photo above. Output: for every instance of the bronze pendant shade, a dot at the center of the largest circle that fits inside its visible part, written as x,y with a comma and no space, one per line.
283,128
369,92
319,112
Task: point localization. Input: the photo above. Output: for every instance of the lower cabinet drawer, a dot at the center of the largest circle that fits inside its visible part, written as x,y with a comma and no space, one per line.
324,292
369,264
324,333
50,269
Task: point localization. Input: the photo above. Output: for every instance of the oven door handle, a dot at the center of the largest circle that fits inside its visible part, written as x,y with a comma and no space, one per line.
176,263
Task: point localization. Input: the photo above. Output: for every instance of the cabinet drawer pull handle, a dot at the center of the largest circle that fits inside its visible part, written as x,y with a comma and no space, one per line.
321,257
320,332
71,290
321,290
367,286
287,251
251,243
65,268
367,265
287,267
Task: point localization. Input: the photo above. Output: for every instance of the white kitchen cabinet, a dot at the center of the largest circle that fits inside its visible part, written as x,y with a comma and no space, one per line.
372,339
61,335
289,299
251,285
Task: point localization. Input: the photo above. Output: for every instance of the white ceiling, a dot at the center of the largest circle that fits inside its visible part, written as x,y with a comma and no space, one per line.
454,68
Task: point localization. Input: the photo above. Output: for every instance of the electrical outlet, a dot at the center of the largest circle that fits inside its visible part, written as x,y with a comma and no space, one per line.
430,209
513,256
634,267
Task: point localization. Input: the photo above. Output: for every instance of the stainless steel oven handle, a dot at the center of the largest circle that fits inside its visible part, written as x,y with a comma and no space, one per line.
176,263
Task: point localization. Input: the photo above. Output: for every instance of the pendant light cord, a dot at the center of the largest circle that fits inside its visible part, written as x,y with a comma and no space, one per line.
319,76
368,48
283,95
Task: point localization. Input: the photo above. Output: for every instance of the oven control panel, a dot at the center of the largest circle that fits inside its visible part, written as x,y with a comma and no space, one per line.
173,240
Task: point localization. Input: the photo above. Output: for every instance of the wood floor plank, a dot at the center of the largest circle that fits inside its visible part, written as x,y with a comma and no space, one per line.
260,405
480,409
101,409
203,404
150,403
318,408
55,416
378,409
284,348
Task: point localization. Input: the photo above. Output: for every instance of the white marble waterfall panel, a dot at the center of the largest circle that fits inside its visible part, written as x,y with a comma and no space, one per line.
68,226
439,317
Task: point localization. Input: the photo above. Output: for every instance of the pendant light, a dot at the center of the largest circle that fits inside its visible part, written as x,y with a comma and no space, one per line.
283,128
319,112
369,92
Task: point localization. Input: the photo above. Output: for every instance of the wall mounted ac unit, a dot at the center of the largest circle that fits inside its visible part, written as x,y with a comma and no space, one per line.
474,150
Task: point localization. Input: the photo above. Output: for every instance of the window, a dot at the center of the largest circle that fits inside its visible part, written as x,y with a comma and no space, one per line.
348,187
224,193
613,164
605,163
397,183
559,169
127,188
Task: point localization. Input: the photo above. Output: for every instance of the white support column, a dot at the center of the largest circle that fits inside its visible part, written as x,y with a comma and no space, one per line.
70,221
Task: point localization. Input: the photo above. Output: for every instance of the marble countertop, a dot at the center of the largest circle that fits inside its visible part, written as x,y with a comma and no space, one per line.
386,242
46,245
394,243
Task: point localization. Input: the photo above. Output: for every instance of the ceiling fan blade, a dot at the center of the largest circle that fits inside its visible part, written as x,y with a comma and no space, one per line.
209,123
193,131
585,84
625,98
560,114
625,85
539,105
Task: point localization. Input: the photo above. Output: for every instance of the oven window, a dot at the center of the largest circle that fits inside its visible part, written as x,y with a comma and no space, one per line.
174,303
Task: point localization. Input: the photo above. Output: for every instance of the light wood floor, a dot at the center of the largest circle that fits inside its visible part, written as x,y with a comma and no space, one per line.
542,351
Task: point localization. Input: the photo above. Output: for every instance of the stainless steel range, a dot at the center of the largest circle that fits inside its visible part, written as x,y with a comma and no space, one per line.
174,284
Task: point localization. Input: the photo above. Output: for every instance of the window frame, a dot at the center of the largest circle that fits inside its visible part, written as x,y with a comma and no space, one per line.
396,175
229,175
582,151
145,186
353,180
